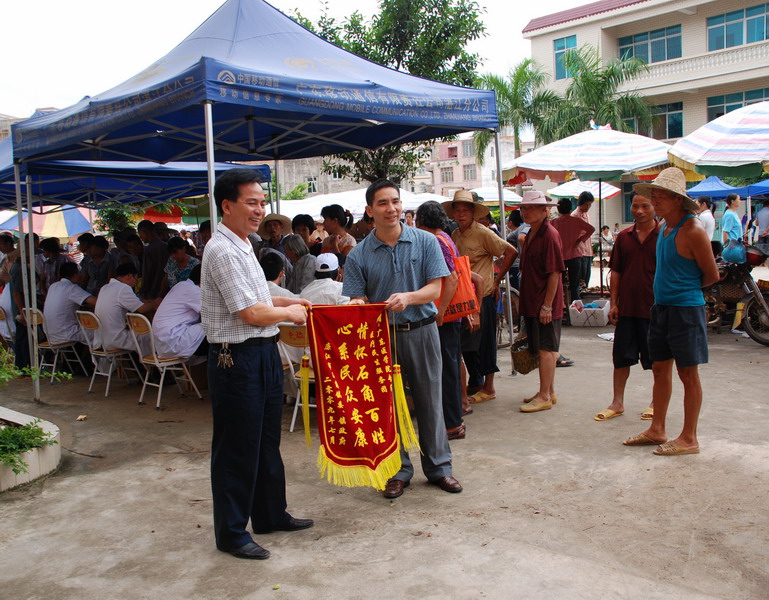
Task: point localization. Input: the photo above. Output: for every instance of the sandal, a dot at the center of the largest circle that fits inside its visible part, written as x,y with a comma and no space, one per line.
457,433
648,414
562,361
553,399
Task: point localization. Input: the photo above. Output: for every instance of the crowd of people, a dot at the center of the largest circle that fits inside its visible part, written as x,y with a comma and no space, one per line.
225,299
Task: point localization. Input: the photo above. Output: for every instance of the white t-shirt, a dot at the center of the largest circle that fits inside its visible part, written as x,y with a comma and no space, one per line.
63,299
324,291
176,326
114,301
276,290
708,221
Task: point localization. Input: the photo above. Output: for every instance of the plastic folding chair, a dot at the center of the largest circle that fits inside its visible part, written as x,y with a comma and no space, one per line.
64,349
295,336
91,327
140,327
6,340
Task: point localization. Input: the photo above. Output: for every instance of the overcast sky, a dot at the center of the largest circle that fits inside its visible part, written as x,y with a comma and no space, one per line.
54,53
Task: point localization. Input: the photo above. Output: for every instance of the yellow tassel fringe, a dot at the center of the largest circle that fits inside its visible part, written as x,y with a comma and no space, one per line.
405,425
359,476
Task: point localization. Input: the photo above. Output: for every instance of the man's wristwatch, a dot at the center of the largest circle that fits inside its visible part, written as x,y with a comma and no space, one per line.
547,308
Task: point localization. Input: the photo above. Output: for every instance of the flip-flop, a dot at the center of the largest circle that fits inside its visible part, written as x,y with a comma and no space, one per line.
607,413
641,440
562,361
670,449
469,411
481,396
648,414
553,399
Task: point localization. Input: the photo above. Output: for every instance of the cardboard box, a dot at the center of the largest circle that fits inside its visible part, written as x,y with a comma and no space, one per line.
589,317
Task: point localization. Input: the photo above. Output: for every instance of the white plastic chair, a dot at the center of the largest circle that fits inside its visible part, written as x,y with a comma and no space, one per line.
140,326
295,336
64,349
6,339
91,327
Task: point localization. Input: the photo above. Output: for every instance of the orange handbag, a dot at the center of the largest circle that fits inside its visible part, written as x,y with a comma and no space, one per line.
464,302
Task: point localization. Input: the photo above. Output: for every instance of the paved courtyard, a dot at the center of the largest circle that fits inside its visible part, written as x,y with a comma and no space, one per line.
554,505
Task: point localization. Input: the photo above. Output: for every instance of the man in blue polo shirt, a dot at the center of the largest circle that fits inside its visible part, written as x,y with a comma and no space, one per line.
403,267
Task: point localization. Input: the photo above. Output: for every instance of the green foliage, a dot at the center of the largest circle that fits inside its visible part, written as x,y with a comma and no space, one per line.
16,440
593,94
9,371
743,182
298,193
426,38
114,217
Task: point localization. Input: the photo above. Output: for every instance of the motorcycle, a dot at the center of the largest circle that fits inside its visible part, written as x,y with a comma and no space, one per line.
736,285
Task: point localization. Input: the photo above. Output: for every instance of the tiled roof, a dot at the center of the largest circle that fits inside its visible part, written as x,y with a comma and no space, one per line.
579,12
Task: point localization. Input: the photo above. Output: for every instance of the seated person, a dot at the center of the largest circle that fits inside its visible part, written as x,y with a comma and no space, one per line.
64,298
54,259
115,300
325,289
179,265
101,266
176,326
272,265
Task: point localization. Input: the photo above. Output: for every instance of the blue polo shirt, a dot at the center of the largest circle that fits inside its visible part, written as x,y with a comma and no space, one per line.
377,270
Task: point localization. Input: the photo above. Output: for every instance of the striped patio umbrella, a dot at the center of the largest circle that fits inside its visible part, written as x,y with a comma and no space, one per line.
594,154
573,188
53,221
733,145
490,195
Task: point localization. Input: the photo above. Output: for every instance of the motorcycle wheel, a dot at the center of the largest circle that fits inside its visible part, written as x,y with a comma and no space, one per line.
756,320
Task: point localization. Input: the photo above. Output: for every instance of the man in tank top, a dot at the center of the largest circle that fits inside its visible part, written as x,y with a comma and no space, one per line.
677,327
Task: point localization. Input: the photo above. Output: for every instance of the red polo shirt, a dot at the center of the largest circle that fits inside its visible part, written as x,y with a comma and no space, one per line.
540,256
636,264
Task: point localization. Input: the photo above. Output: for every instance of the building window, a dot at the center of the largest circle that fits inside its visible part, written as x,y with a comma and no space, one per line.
447,174
720,105
627,192
491,151
653,46
468,148
738,27
335,175
312,185
668,121
560,46
453,152
469,172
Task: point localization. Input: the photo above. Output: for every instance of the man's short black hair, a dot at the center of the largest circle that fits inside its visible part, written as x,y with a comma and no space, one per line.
272,264
127,268
145,225
327,274
100,241
85,238
376,186
195,274
50,245
205,226
564,206
584,198
67,270
305,220
8,239
227,186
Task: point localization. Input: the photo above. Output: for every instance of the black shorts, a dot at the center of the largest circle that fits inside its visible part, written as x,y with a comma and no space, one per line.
543,337
678,332
631,343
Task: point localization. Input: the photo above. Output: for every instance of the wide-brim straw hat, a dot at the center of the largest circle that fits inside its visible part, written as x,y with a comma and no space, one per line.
480,209
670,180
262,231
536,198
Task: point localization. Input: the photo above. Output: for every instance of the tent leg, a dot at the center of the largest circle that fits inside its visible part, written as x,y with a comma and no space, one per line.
33,347
600,234
277,189
503,230
208,115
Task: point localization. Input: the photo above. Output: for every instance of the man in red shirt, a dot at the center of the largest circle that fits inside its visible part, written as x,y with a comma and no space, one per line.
541,297
633,263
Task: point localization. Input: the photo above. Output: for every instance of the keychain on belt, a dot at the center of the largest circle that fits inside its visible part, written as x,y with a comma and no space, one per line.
224,360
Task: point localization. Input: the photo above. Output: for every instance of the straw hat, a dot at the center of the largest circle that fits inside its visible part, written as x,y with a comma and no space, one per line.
285,221
465,196
670,180
535,198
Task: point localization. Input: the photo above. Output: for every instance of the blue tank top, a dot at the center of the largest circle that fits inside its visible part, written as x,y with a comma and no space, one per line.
678,280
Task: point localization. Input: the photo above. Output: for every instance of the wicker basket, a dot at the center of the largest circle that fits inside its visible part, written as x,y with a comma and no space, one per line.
523,360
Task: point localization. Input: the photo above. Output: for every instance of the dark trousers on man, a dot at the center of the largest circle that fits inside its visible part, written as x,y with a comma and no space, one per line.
248,480
484,361
574,268
450,387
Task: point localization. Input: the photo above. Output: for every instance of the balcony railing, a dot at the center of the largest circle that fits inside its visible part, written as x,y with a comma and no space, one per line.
704,65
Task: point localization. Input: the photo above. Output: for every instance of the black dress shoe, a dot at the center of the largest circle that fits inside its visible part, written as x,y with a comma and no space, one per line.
252,550
395,487
448,484
291,525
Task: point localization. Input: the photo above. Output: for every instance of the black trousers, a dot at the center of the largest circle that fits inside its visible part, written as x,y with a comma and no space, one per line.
449,334
248,480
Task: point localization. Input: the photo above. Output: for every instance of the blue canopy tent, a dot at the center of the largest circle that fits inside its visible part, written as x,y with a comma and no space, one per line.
713,187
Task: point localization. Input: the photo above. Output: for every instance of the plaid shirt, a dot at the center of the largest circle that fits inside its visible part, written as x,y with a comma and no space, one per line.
231,280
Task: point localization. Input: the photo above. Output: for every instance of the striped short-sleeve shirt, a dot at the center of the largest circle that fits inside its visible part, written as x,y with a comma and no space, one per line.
231,280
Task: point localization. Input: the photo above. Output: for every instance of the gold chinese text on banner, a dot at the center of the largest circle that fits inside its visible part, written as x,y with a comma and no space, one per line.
350,348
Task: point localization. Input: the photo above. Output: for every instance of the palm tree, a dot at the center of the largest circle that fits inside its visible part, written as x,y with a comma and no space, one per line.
593,94
521,101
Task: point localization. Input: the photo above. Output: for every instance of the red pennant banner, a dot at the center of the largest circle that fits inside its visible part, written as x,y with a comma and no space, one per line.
350,347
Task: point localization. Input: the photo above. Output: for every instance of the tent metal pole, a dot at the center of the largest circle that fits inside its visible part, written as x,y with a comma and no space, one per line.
277,189
33,347
600,236
208,114
503,230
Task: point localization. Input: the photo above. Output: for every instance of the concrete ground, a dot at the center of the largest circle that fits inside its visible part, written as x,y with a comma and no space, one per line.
554,505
